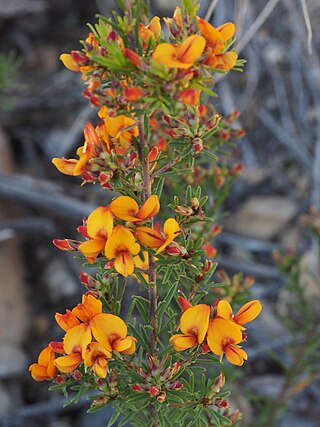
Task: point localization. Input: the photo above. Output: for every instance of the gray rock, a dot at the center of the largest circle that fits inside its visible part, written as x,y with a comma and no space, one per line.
263,217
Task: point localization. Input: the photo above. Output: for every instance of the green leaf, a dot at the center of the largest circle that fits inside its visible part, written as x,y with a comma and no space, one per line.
162,307
114,417
143,306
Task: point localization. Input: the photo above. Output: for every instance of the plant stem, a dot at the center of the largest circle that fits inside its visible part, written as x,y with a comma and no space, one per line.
147,191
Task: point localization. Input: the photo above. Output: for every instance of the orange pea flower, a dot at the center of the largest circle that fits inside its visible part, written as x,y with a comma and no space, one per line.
121,245
153,239
126,208
111,332
193,325
76,167
190,96
132,94
180,56
246,314
96,356
45,369
122,128
74,343
67,321
216,41
153,30
99,228
176,19
89,308
223,338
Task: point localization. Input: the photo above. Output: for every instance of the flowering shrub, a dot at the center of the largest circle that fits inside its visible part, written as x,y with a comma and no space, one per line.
154,139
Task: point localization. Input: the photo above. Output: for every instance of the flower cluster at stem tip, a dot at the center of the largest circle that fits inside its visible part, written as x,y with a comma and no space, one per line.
151,129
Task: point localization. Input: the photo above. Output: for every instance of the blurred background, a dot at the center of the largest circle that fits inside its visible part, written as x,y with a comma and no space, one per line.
42,114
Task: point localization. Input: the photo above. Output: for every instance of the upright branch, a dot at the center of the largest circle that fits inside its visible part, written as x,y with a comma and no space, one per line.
147,190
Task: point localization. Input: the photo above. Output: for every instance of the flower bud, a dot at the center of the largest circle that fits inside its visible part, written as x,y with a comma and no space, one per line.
207,266
194,202
153,391
66,244
183,210
218,384
174,249
197,145
60,379
221,403
205,348
161,397
184,304
177,385
88,280
137,388
77,375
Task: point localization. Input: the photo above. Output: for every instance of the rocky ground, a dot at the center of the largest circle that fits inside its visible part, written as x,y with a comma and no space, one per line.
42,115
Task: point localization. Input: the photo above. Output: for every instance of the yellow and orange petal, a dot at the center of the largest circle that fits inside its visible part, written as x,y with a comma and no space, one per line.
182,342
68,363
69,62
248,312
121,240
107,329
100,223
77,339
149,237
195,321
180,56
89,307
171,230
149,209
66,321
223,338
92,248
122,128
65,166
45,369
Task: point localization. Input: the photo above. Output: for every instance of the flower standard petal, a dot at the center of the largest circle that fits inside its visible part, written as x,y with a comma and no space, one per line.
224,310
100,223
195,321
190,50
125,208
121,240
208,31
107,328
221,333
89,307
227,30
77,339
248,312
167,54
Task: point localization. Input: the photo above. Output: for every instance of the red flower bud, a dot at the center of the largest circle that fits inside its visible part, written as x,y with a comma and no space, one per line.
221,403
153,391
162,397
